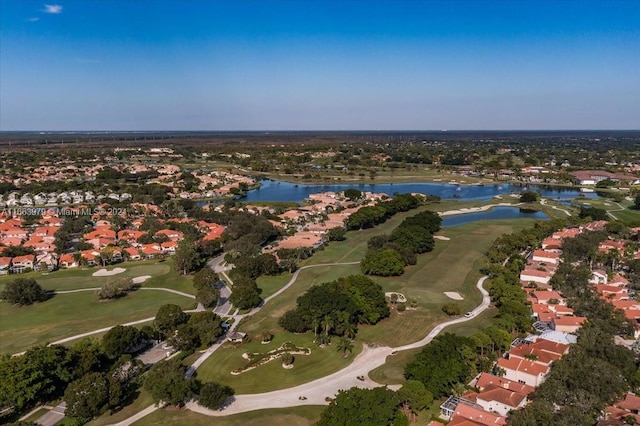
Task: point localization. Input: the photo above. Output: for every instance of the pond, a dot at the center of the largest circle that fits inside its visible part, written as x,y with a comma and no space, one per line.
273,190
501,212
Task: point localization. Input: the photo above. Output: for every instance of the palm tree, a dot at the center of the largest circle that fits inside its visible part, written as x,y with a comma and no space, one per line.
328,323
345,345
315,323
350,330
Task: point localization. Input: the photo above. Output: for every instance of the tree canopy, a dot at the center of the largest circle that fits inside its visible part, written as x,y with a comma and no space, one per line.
23,291
165,382
214,395
337,306
447,360
363,407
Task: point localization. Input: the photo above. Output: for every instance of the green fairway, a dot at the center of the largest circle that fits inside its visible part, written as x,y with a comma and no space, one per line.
453,266
292,416
65,315
392,371
621,211
272,376
163,274
271,284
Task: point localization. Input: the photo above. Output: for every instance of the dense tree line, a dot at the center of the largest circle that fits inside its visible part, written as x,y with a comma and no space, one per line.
389,254
369,216
86,376
337,307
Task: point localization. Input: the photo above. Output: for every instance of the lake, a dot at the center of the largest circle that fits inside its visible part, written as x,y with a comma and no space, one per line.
500,212
273,190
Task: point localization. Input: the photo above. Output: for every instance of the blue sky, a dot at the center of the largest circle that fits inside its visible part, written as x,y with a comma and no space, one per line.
319,65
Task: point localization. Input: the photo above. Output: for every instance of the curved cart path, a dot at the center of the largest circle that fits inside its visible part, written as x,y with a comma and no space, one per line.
316,391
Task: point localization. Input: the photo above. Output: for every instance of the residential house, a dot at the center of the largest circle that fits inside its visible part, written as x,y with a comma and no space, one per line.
598,276
623,409
20,264
67,260
5,265
92,257
567,324
546,256
548,297
46,261
523,371
169,247
171,234
465,413
536,276
150,251
496,399
133,253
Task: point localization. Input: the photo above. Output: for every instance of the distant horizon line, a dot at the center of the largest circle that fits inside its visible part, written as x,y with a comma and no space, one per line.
317,131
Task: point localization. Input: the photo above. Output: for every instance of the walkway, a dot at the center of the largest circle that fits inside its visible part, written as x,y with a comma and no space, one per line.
543,201
169,290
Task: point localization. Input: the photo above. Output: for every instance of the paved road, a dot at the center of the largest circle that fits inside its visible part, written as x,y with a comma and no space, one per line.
53,416
317,390
224,305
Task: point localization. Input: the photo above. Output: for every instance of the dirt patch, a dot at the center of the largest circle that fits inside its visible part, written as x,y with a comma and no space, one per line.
441,237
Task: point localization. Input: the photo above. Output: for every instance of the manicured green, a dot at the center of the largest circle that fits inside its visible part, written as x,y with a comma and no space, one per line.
65,315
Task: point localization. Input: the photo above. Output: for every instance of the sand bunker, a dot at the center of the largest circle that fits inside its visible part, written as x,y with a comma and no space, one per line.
401,297
105,273
453,295
141,279
441,237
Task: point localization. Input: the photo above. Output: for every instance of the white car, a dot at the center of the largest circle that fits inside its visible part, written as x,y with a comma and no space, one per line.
468,315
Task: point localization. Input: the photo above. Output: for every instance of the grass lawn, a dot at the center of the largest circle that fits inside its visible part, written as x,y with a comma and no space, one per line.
36,415
65,315
293,416
163,274
453,266
140,400
626,215
271,284
392,371
272,376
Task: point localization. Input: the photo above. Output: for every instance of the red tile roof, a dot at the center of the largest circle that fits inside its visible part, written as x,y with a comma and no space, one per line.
486,380
523,366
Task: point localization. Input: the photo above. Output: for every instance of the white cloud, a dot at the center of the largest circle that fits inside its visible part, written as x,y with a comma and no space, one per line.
33,19
53,9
